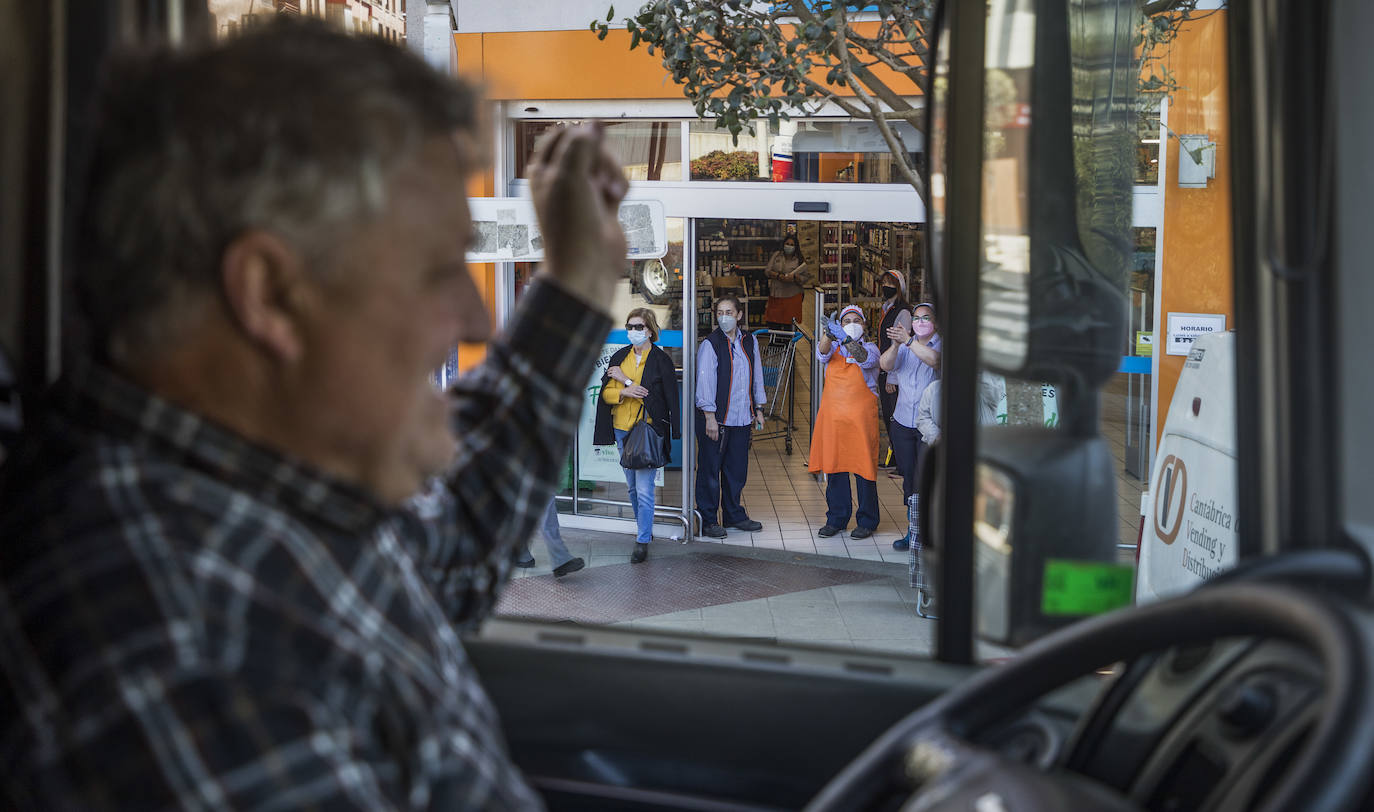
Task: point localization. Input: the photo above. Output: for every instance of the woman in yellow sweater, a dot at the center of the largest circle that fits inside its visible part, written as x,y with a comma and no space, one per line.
641,380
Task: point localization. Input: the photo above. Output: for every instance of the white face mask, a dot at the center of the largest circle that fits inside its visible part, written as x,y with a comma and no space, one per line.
637,337
854,330
727,323
788,249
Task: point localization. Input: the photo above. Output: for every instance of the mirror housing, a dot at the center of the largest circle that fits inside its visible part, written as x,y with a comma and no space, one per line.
1038,566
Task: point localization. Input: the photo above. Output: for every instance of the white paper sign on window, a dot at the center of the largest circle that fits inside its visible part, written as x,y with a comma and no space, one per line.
505,229
1185,328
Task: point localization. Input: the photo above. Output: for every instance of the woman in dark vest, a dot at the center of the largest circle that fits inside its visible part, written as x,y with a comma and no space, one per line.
641,380
896,312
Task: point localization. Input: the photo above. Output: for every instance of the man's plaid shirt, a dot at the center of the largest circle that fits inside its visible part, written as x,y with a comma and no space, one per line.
190,621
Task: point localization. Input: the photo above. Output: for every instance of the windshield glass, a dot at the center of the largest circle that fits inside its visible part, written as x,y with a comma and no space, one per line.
793,537
811,530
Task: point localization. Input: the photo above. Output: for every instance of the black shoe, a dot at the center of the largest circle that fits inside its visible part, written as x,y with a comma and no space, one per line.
568,567
526,564
748,524
714,531
641,552
861,533
827,531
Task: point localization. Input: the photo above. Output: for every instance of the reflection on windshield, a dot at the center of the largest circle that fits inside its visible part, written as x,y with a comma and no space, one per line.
1005,273
1162,414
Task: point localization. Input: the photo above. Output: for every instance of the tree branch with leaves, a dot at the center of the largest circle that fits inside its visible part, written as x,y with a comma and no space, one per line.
740,63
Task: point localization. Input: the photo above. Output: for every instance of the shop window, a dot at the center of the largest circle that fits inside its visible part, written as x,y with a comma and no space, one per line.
717,156
647,150
655,284
850,152
807,151
1147,154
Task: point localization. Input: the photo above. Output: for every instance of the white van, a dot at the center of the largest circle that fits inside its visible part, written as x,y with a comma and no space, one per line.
1190,515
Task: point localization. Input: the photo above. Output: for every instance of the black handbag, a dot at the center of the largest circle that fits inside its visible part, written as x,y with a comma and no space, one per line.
643,447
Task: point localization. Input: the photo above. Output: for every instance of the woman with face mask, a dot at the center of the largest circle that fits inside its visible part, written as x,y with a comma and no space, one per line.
844,440
640,382
896,312
787,274
912,362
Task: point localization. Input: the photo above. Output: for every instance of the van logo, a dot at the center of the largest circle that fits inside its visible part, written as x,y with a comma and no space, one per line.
1172,490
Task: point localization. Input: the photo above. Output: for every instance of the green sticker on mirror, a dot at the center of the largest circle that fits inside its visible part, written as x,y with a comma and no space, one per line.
1085,587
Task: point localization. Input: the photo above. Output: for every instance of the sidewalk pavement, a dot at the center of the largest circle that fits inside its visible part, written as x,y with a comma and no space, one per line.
745,593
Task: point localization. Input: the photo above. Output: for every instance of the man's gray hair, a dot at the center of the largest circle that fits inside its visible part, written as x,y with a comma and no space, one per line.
291,127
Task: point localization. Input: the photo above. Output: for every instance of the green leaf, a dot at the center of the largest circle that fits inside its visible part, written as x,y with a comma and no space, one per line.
601,34
610,14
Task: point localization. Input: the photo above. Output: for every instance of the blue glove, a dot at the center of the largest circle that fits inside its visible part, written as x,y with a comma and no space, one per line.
832,326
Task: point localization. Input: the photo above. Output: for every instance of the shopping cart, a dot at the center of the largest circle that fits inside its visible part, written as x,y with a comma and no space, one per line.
778,350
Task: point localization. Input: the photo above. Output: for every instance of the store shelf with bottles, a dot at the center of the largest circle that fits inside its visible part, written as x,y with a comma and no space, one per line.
886,246
839,234
731,246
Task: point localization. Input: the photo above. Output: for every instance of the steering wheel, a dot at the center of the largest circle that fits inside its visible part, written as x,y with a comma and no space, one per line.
930,751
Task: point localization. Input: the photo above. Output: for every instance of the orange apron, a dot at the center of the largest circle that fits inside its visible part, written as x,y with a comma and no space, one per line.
845,437
783,310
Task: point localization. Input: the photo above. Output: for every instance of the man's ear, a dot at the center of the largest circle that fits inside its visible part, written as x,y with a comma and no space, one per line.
261,276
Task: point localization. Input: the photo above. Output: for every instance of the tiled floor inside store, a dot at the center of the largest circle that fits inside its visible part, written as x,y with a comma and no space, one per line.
790,503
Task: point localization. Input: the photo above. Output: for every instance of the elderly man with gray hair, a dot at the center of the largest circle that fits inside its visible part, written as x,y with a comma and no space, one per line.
243,536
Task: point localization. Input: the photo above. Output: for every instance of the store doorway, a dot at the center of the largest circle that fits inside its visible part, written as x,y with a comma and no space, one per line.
843,264
593,486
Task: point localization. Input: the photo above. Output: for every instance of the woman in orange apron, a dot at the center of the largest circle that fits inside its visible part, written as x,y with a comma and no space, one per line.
844,440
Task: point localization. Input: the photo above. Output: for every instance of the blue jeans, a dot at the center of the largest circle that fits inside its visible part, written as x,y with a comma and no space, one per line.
641,485
553,536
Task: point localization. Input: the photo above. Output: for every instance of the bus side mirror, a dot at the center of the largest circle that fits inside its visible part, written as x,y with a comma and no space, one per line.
1040,564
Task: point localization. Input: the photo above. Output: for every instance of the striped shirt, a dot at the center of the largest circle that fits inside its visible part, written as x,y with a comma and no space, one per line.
738,411
912,376
191,621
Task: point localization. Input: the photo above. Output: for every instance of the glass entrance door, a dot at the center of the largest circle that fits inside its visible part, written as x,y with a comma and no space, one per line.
784,300
594,485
